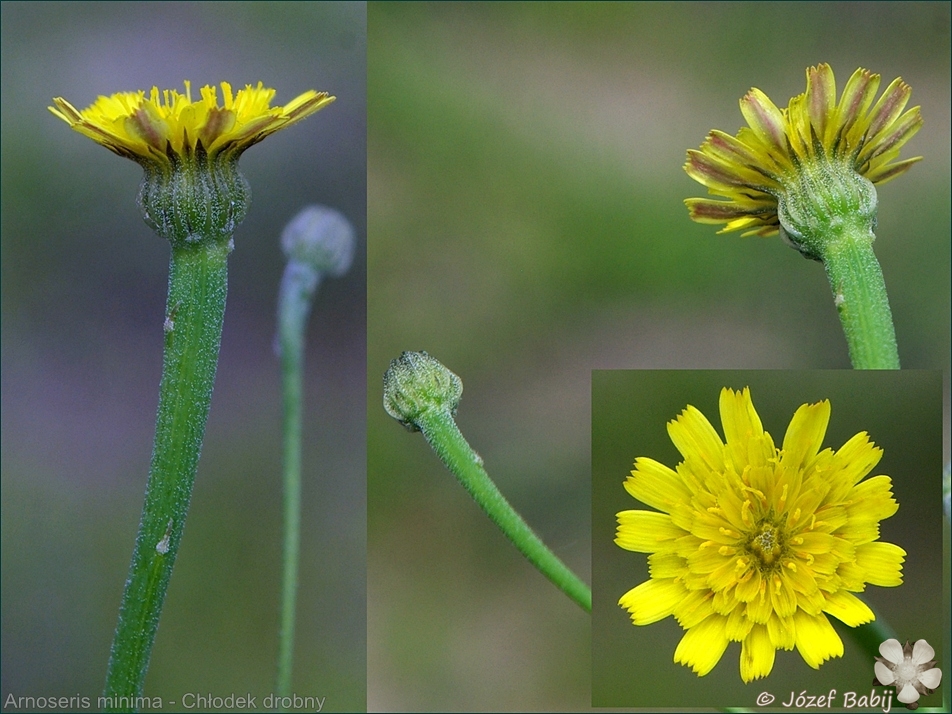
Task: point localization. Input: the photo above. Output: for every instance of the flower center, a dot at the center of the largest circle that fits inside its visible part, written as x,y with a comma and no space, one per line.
907,672
766,544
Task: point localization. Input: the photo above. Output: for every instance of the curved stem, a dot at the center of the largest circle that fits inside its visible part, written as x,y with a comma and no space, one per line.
317,241
193,326
444,436
294,304
860,297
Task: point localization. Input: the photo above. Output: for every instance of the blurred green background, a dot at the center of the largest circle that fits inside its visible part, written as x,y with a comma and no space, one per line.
83,296
901,412
526,226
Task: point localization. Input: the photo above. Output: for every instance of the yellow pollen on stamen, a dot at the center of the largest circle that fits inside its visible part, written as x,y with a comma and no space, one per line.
767,545
757,581
756,492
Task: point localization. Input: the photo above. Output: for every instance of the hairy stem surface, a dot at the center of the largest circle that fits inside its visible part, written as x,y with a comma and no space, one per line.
447,441
193,326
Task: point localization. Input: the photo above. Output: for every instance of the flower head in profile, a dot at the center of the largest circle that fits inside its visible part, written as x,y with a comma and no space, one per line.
816,146
192,189
167,125
756,544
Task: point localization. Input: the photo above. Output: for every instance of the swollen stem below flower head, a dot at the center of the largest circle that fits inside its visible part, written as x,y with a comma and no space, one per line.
192,194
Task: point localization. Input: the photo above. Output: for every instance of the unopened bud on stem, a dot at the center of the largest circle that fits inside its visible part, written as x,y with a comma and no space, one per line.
415,384
318,241
320,238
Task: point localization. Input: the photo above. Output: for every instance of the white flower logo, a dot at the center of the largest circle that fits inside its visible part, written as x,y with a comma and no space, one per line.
909,668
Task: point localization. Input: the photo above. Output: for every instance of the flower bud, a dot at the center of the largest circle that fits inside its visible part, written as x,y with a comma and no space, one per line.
320,238
417,383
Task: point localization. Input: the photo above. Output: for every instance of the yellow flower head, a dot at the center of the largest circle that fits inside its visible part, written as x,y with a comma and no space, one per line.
755,169
755,544
168,125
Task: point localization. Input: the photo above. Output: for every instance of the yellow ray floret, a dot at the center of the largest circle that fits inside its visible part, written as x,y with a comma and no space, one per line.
753,170
756,544
168,126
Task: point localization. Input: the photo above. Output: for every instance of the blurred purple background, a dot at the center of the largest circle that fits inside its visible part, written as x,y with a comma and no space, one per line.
83,294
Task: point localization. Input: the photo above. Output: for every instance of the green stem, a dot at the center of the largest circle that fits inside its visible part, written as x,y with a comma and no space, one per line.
871,635
297,289
317,241
860,298
444,436
193,326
